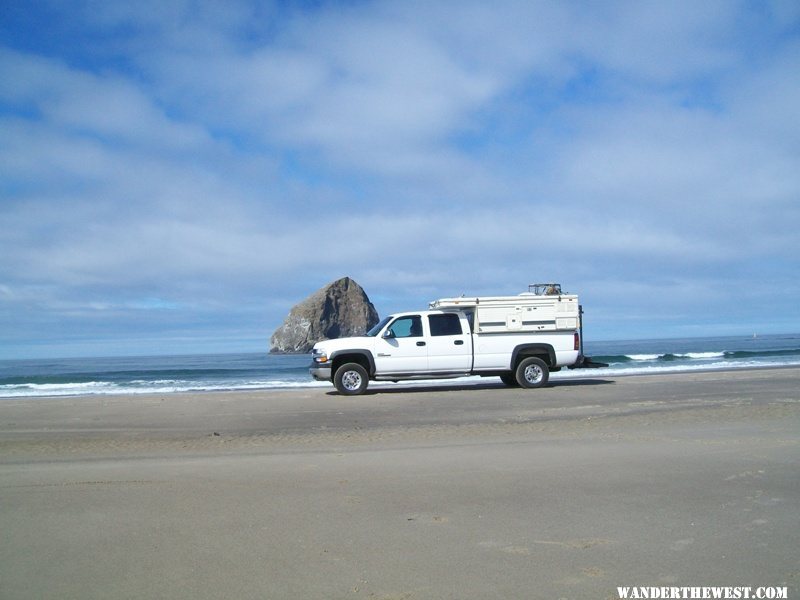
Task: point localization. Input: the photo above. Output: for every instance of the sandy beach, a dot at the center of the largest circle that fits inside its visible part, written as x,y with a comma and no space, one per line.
462,491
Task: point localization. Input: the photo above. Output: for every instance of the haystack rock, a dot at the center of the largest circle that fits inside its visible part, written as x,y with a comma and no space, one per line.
340,309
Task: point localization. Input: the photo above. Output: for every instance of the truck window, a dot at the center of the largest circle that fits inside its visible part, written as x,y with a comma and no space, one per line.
407,327
447,324
377,329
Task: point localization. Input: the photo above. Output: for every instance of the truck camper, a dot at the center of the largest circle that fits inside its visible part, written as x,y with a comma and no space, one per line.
521,339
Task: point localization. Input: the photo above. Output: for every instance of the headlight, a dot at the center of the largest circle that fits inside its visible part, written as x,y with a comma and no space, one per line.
319,356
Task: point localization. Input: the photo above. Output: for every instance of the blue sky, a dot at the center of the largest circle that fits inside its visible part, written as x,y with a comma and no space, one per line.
175,175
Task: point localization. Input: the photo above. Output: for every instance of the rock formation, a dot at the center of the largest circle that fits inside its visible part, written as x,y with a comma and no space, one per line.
339,309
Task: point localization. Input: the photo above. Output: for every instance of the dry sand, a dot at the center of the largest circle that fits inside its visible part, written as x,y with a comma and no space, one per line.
467,491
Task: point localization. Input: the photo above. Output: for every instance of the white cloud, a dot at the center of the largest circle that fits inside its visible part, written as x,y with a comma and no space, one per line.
659,42
79,102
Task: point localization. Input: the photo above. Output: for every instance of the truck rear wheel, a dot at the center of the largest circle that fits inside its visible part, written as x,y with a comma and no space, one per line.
351,379
532,372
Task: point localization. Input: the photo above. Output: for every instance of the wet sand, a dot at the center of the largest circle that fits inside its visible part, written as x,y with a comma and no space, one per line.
464,491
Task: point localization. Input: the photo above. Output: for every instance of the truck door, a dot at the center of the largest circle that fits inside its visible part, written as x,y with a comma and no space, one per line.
449,346
402,347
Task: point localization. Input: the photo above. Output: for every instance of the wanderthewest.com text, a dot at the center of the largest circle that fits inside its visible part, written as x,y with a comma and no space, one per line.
702,592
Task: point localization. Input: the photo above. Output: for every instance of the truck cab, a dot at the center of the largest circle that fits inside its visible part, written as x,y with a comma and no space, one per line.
403,346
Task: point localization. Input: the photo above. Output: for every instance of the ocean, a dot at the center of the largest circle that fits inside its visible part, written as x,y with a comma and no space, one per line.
260,371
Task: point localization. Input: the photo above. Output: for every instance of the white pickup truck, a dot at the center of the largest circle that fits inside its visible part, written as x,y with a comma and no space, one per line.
520,338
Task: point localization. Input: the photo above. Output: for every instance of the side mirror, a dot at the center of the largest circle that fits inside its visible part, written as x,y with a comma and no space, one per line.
388,334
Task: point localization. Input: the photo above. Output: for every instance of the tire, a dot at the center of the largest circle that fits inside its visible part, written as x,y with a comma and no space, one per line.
351,379
532,372
509,379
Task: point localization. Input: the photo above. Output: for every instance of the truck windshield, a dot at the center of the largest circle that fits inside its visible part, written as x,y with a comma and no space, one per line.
377,329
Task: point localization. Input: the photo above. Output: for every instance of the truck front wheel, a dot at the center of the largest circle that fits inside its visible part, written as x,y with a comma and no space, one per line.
532,372
351,379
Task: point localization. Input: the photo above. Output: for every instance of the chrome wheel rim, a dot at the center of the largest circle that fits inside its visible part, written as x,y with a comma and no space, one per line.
533,374
351,381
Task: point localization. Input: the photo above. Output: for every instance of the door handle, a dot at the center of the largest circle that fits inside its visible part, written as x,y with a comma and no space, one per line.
459,342
420,343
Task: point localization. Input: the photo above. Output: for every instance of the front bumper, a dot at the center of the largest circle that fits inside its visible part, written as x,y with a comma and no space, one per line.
320,372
